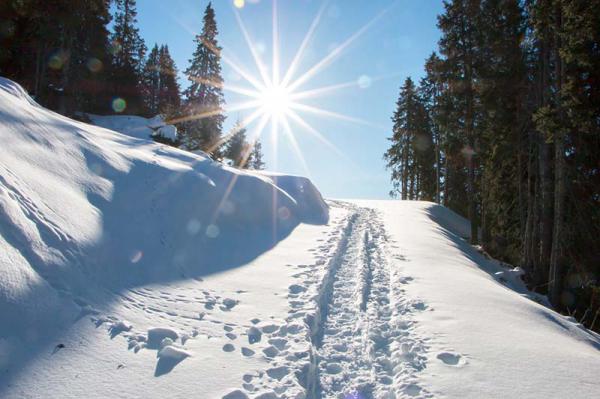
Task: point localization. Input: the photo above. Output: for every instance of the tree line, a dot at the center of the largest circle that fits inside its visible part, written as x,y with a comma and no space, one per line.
504,128
64,54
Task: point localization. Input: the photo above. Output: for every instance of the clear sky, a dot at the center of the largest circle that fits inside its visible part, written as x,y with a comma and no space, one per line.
399,36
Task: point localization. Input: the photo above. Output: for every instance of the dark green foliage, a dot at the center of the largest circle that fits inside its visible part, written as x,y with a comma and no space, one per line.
237,147
129,52
514,111
411,155
243,153
256,157
204,97
58,51
160,87
169,97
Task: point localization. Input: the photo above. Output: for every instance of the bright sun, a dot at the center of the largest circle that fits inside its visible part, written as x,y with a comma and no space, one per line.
276,101
276,97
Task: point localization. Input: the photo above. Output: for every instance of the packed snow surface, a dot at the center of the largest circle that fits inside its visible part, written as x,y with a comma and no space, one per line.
130,269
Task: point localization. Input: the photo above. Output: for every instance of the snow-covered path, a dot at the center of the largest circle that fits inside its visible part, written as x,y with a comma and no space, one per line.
365,348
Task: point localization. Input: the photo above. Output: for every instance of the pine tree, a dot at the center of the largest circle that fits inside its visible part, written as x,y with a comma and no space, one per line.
500,84
204,97
237,147
460,28
256,157
430,90
129,52
169,98
411,154
151,81
58,51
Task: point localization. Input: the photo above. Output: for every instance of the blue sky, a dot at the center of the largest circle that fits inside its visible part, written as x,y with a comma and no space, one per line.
393,47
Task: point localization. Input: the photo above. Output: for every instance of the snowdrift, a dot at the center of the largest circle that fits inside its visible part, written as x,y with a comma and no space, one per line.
136,126
84,209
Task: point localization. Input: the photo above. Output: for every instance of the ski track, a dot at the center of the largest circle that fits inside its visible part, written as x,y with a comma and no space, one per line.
358,338
350,331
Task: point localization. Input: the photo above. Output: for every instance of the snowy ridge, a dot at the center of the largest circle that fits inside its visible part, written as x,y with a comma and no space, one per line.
87,212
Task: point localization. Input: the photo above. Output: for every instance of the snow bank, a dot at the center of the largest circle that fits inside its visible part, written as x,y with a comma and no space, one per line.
488,336
136,126
83,209
309,199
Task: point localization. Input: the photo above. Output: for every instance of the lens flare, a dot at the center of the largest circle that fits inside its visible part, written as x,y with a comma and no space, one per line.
119,105
94,65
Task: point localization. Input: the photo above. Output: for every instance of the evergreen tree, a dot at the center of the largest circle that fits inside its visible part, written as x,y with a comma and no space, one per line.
169,98
237,147
459,44
430,90
513,107
58,51
129,51
204,97
160,87
152,82
256,157
500,85
411,154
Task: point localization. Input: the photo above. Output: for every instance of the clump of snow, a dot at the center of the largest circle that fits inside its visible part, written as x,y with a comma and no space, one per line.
119,327
157,335
173,352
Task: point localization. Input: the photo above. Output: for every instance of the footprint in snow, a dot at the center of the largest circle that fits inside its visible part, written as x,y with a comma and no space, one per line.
269,328
247,352
412,390
229,304
451,359
254,335
237,394
270,351
228,348
296,289
278,372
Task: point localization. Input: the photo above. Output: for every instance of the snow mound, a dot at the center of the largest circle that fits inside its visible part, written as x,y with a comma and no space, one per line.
172,352
84,209
309,199
136,126
157,334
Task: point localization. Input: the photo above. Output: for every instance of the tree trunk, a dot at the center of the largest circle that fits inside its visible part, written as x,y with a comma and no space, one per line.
556,268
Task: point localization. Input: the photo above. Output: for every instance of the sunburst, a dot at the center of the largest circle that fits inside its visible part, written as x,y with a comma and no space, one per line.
275,100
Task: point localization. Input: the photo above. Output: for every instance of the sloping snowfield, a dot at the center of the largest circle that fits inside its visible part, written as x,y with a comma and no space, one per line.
130,269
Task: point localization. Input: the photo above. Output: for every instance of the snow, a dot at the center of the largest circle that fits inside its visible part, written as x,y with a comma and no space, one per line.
136,126
125,273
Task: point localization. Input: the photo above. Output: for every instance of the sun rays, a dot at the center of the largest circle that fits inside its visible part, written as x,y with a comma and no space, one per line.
274,96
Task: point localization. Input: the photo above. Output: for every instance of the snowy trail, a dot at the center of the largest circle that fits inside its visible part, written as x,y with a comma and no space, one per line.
363,341
367,325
